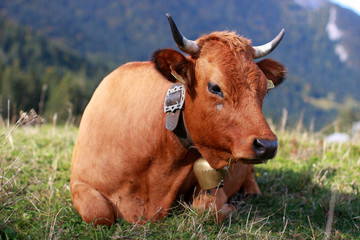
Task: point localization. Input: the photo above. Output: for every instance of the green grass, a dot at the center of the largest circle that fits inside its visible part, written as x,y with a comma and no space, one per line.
310,191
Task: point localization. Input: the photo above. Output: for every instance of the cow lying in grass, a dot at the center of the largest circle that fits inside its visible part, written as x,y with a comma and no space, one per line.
132,158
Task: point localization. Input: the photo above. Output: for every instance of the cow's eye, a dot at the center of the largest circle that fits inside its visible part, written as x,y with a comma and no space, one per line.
215,89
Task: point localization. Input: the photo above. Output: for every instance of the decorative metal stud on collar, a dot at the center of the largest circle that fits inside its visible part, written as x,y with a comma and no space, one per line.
174,102
175,98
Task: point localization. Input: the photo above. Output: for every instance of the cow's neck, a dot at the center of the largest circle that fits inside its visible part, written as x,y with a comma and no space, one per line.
183,134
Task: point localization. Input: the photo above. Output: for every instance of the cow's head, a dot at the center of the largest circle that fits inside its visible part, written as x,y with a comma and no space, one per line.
225,92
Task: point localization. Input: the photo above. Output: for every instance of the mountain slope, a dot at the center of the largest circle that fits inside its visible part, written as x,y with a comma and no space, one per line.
31,66
320,83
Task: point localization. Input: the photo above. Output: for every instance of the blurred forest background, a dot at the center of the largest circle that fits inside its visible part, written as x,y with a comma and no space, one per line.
53,54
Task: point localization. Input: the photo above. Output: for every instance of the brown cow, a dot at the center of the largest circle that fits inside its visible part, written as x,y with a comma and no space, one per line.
127,164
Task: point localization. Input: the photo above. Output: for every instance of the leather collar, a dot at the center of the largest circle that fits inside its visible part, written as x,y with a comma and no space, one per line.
175,122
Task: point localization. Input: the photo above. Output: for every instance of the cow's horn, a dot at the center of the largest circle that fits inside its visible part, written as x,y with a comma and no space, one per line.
263,50
182,42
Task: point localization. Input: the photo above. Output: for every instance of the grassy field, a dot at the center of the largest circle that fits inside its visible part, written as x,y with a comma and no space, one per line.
310,191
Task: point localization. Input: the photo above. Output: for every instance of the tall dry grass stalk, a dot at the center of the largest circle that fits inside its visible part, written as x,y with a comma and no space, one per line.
69,119
283,120
300,123
42,99
26,118
330,218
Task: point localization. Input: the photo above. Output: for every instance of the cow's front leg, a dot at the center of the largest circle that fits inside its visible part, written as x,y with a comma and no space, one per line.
92,206
250,187
241,178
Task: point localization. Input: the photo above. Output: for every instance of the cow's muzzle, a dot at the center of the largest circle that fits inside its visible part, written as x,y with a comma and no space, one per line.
265,149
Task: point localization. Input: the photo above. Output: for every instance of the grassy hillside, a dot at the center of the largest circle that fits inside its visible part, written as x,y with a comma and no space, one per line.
310,191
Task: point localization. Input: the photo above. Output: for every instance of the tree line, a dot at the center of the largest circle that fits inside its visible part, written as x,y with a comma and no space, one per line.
36,73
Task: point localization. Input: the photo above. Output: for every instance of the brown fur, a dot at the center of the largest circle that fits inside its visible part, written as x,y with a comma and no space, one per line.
127,165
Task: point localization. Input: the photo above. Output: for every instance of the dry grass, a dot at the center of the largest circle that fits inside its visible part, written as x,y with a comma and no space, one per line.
310,191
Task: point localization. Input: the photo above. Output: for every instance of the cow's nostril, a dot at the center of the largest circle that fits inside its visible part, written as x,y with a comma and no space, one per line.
265,149
259,148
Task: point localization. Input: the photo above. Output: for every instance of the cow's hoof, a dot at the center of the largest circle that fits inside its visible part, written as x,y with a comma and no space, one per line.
225,212
228,209
250,189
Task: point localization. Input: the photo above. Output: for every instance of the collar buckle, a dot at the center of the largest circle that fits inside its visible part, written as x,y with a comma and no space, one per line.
175,98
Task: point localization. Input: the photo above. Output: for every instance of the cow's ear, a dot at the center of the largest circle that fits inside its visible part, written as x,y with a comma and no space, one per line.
273,70
174,66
